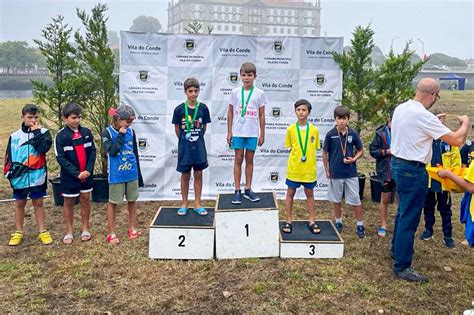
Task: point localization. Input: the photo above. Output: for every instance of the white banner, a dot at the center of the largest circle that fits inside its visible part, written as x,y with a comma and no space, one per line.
153,68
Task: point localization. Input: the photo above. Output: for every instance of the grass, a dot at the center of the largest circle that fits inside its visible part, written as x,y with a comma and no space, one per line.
94,277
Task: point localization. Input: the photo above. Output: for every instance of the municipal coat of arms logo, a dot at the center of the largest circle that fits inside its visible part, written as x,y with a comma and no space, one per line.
189,45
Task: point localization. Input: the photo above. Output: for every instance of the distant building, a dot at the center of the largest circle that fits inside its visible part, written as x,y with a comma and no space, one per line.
249,17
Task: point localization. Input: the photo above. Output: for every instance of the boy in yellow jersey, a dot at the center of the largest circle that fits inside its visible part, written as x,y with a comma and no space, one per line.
303,140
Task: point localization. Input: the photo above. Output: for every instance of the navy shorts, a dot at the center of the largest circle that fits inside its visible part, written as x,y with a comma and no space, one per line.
295,185
17,195
85,187
196,167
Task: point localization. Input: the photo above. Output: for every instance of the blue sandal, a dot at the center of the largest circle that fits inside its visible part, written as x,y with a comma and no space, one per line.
381,232
182,211
200,211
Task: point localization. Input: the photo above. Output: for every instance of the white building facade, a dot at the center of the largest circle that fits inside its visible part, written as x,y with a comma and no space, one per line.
248,17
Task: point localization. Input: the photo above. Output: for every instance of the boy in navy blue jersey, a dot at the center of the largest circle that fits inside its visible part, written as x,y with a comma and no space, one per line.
342,148
190,119
75,152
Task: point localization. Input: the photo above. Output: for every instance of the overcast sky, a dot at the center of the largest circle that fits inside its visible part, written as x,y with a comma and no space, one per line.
445,26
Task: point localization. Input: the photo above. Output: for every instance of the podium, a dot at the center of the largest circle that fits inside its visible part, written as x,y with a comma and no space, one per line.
301,243
181,237
249,229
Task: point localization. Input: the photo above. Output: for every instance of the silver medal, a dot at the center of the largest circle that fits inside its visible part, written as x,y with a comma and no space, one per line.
303,159
188,135
242,119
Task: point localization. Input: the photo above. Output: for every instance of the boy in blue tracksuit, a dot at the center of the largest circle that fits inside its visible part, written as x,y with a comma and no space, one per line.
25,168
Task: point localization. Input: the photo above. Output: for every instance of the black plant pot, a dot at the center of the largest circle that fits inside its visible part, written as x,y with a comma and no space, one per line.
101,189
57,192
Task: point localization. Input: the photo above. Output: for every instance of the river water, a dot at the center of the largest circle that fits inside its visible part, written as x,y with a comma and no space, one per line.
15,94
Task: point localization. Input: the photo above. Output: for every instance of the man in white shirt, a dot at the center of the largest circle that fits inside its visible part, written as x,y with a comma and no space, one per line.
413,131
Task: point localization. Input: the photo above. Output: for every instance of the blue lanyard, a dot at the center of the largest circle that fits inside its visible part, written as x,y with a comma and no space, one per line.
387,136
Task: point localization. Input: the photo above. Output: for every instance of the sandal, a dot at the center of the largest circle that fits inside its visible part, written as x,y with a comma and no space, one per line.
200,211
381,232
314,228
287,228
85,236
112,239
68,239
182,211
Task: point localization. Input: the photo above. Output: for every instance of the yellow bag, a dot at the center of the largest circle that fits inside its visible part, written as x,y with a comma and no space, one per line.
446,183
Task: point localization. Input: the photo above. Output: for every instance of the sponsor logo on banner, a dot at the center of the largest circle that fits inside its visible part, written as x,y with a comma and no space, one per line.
274,178
321,186
226,186
322,121
277,47
147,119
320,80
275,152
143,49
189,45
323,53
234,52
143,76
149,187
142,144
276,112
233,78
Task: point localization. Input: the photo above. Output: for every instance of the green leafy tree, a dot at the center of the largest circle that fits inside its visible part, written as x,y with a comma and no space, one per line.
96,63
359,93
56,49
195,27
394,82
17,56
146,24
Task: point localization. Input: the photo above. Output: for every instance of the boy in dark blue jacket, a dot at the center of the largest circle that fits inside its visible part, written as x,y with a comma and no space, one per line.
75,153
380,150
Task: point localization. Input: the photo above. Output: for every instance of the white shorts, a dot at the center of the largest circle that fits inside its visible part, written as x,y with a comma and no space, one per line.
347,187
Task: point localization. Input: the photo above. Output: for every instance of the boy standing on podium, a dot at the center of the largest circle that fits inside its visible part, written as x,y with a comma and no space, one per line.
190,119
303,140
245,128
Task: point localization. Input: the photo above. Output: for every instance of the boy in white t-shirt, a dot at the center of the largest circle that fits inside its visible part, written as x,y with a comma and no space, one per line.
246,128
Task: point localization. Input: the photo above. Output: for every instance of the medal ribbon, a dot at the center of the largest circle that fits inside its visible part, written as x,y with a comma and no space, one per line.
189,124
244,106
303,148
343,148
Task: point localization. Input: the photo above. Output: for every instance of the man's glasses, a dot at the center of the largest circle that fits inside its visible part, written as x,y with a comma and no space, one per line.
437,96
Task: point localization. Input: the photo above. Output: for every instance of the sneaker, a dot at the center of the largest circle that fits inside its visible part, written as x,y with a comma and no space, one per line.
360,231
410,274
449,242
16,238
45,238
426,235
382,232
339,226
133,234
112,239
237,198
250,195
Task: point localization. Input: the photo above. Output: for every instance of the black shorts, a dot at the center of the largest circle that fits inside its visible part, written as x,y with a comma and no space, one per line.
388,186
187,168
72,192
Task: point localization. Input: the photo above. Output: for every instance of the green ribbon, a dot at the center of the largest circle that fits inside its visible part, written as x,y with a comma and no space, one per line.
189,124
244,106
303,148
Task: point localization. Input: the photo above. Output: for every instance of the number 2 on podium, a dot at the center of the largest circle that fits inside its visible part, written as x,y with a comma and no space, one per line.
181,238
247,229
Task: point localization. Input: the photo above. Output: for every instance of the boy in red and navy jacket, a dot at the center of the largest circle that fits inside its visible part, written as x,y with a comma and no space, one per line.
75,153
